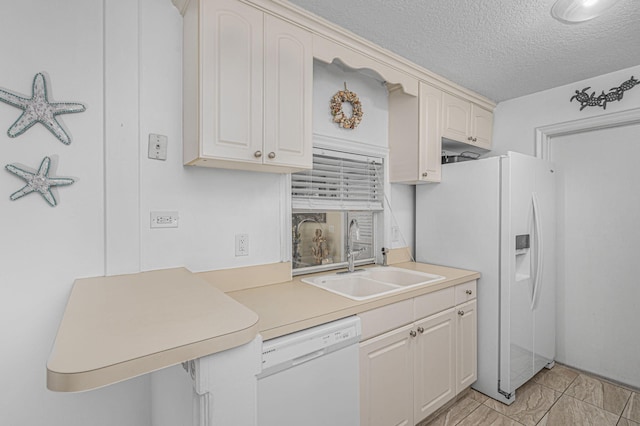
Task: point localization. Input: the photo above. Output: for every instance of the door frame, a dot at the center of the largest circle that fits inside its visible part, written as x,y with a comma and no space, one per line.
545,134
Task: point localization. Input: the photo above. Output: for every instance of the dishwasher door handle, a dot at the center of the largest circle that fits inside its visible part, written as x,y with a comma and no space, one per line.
308,357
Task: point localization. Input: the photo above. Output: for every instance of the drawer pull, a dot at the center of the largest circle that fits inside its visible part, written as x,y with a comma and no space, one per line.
461,312
413,333
420,330
469,292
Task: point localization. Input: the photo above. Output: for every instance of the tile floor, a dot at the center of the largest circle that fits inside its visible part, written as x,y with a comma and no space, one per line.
557,397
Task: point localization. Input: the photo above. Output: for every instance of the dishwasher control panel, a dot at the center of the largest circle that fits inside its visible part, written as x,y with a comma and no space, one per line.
296,348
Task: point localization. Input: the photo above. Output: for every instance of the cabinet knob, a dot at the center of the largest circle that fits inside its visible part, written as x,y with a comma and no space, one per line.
469,292
413,333
470,138
474,140
420,330
272,155
257,154
425,174
461,312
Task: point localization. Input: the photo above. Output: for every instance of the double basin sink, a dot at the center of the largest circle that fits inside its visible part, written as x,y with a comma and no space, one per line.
372,282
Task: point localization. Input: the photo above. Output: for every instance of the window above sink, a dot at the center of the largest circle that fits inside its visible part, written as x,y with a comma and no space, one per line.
342,189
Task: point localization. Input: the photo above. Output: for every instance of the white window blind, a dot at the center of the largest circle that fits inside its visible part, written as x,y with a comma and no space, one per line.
339,181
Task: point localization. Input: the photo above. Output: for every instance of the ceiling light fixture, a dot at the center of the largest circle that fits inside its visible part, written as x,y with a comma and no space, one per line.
572,11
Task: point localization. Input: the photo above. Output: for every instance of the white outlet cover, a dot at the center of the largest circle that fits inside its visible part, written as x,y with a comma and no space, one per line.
242,244
158,146
165,219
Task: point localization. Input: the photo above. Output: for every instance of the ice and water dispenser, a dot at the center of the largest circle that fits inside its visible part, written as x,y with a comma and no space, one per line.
523,257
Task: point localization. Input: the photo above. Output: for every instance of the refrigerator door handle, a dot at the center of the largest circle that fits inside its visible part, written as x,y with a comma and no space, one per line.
539,249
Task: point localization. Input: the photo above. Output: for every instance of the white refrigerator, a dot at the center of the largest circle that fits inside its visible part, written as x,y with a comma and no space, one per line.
497,216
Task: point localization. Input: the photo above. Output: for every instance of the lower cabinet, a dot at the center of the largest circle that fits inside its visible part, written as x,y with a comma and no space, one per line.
407,373
435,363
386,379
467,345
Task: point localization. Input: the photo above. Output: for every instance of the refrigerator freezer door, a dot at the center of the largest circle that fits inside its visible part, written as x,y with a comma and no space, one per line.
527,331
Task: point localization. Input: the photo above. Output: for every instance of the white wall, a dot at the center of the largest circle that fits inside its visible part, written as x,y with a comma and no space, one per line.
373,131
122,59
593,324
329,79
214,204
42,248
515,120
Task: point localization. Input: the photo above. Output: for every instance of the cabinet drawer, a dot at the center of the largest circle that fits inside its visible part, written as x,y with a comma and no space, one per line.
465,292
431,303
385,318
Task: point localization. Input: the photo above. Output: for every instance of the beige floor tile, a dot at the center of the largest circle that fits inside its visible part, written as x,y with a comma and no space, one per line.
531,404
599,393
632,410
484,416
456,413
558,378
571,411
544,421
627,422
478,396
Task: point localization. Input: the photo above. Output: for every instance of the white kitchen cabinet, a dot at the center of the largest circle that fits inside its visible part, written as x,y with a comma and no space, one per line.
415,135
386,379
248,81
407,373
467,345
466,122
435,363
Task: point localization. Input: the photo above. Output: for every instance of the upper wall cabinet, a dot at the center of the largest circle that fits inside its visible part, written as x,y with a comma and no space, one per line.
248,81
415,135
463,121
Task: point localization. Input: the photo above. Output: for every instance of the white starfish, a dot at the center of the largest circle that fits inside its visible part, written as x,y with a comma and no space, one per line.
39,109
39,181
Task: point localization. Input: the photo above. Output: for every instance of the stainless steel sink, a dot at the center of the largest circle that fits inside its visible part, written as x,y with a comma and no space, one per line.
372,282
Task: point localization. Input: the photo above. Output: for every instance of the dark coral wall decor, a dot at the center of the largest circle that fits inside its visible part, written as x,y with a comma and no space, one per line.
614,94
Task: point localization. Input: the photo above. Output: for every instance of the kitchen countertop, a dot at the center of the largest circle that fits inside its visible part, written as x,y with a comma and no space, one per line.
115,328
293,305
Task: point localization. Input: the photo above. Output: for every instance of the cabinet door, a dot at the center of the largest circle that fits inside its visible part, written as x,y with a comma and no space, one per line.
430,133
231,80
467,345
456,118
386,374
288,88
481,126
435,378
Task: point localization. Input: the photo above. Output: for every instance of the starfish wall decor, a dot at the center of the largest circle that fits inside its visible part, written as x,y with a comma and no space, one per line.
38,109
38,182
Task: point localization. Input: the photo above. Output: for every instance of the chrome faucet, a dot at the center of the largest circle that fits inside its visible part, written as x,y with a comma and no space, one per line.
385,252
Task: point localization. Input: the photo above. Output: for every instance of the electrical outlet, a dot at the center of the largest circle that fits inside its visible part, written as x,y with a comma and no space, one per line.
158,147
242,244
396,234
164,219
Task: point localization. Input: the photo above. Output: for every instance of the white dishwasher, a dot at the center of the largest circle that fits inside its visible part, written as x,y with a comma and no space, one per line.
311,377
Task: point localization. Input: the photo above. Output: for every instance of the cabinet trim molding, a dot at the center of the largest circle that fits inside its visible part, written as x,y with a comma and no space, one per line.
386,60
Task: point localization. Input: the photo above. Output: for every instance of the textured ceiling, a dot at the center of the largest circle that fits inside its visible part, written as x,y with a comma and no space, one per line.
501,49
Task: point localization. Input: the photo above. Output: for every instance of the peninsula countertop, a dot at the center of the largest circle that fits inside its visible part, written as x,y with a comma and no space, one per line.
119,327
